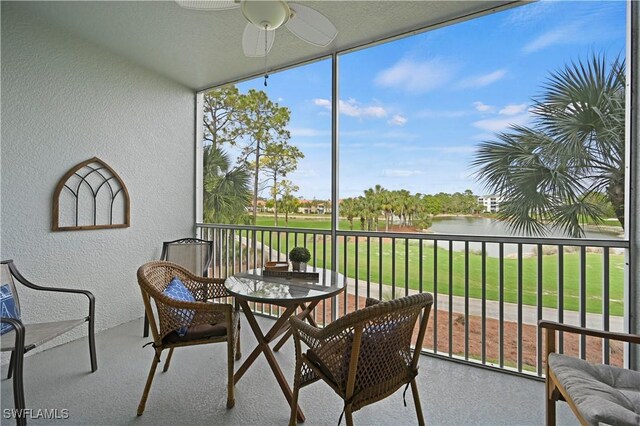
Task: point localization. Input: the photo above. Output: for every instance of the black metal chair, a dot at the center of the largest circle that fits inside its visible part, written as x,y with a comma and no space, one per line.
16,365
192,254
25,337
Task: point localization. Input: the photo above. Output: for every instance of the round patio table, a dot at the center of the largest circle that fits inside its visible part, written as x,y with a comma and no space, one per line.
304,292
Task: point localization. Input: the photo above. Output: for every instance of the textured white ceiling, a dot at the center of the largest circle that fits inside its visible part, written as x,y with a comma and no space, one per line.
201,49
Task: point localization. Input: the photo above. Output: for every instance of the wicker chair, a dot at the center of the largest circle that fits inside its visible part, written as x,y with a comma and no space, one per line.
191,253
205,321
364,356
596,393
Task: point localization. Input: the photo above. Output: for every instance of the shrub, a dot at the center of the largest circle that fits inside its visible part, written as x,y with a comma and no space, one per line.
299,254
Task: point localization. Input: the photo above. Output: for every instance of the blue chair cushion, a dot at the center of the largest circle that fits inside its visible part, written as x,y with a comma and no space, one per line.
9,307
177,290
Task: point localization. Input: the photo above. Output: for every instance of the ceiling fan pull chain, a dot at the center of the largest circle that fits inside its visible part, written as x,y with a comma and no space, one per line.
266,76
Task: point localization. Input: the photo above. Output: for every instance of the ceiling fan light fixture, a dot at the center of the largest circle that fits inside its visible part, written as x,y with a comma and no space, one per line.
266,14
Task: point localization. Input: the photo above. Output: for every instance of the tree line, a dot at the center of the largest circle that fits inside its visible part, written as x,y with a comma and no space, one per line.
406,209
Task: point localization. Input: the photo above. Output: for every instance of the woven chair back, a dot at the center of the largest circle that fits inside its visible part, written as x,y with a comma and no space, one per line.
385,355
154,277
382,334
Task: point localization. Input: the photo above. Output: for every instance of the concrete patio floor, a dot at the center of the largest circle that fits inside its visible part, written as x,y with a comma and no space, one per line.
194,392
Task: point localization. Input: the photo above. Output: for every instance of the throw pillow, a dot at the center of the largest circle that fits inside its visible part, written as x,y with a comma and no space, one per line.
9,307
177,291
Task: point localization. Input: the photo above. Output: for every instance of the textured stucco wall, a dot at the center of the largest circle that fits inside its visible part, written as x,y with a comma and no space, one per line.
64,101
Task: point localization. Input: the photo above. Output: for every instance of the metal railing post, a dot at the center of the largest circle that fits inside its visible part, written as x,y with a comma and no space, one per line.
335,157
632,181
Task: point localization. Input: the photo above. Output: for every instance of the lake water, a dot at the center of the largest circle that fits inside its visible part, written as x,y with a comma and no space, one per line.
464,225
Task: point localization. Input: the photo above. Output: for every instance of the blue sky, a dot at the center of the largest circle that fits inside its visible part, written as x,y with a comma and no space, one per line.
413,111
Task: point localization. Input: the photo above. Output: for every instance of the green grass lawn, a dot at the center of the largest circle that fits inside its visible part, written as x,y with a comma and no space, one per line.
458,284
310,222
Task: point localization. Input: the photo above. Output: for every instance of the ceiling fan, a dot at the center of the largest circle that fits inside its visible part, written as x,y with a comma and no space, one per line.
265,16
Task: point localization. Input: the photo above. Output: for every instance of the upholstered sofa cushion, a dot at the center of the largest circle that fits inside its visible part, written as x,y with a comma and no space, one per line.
601,393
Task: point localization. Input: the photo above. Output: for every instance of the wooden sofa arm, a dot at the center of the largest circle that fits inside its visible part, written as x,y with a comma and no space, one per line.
556,326
558,388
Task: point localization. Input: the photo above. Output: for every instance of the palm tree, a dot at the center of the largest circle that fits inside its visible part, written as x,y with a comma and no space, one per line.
399,203
348,209
414,207
386,206
554,172
361,209
227,192
373,200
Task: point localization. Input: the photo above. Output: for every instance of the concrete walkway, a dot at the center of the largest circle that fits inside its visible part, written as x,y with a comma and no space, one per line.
529,313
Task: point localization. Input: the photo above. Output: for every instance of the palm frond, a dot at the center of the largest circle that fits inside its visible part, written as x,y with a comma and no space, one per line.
575,148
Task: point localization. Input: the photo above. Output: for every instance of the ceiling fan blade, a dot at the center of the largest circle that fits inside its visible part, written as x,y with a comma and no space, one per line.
311,25
208,4
253,41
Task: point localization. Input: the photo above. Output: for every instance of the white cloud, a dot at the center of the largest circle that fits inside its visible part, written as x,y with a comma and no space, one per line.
459,149
479,106
326,103
307,132
398,120
564,34
482,136
416,76
501,124
400,172
429,113
482,80
530,14
353,108
513,109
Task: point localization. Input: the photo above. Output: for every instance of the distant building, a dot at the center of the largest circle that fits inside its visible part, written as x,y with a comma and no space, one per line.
314,207
491,203
260,208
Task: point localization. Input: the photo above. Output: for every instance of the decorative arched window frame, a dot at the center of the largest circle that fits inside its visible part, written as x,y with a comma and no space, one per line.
106,181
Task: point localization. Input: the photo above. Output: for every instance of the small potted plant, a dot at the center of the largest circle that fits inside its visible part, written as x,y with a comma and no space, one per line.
299,257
